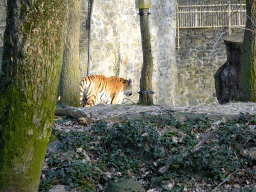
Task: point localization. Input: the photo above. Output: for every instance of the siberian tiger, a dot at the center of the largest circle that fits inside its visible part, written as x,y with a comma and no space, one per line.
98,89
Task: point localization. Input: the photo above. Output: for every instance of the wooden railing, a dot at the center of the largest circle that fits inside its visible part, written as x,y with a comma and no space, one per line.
210,16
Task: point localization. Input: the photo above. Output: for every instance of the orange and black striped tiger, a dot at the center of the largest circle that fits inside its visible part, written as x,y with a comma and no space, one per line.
98,89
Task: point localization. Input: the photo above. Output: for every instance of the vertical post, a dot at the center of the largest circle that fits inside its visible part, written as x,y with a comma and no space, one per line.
200,17
196,19
218,17
178,26
146,92
239,16
229,18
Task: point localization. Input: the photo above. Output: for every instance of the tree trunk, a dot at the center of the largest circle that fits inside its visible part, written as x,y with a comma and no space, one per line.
70,75
32,58
248,70
146,97
227,77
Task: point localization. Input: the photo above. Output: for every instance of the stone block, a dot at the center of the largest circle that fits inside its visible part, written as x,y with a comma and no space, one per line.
208,35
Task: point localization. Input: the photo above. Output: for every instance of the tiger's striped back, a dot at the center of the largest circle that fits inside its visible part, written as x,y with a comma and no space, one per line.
98,89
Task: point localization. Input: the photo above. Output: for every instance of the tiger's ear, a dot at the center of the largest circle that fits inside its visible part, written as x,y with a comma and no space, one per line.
129,81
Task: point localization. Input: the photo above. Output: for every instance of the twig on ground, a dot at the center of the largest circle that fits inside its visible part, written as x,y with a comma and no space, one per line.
202,141
224,180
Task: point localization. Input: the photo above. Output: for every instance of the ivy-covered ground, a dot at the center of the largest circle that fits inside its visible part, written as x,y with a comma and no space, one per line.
156,151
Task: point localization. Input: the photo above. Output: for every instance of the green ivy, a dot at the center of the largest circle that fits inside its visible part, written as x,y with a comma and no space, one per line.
133,144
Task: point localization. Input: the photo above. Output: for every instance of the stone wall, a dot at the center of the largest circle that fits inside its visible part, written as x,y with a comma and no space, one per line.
197,62
201,53
116,44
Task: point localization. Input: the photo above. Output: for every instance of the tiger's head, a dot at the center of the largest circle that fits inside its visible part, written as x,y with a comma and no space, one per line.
127,87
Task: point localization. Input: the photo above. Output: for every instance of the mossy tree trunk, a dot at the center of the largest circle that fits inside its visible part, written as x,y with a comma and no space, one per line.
70,75
32,58
147,68
248,70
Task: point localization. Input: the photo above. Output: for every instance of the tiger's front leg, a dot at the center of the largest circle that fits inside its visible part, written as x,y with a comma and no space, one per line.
91,101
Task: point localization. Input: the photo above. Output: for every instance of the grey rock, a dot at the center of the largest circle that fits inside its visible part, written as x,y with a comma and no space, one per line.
128,185
58,188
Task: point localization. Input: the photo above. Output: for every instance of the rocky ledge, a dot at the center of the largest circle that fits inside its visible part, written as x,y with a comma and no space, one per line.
86,115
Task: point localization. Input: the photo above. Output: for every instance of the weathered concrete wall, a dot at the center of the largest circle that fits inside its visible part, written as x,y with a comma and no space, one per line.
116,44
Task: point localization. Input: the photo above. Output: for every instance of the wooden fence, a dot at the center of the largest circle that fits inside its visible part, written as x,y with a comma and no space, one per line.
210,16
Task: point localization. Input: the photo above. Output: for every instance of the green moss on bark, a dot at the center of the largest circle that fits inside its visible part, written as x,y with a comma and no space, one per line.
248,69
32,58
